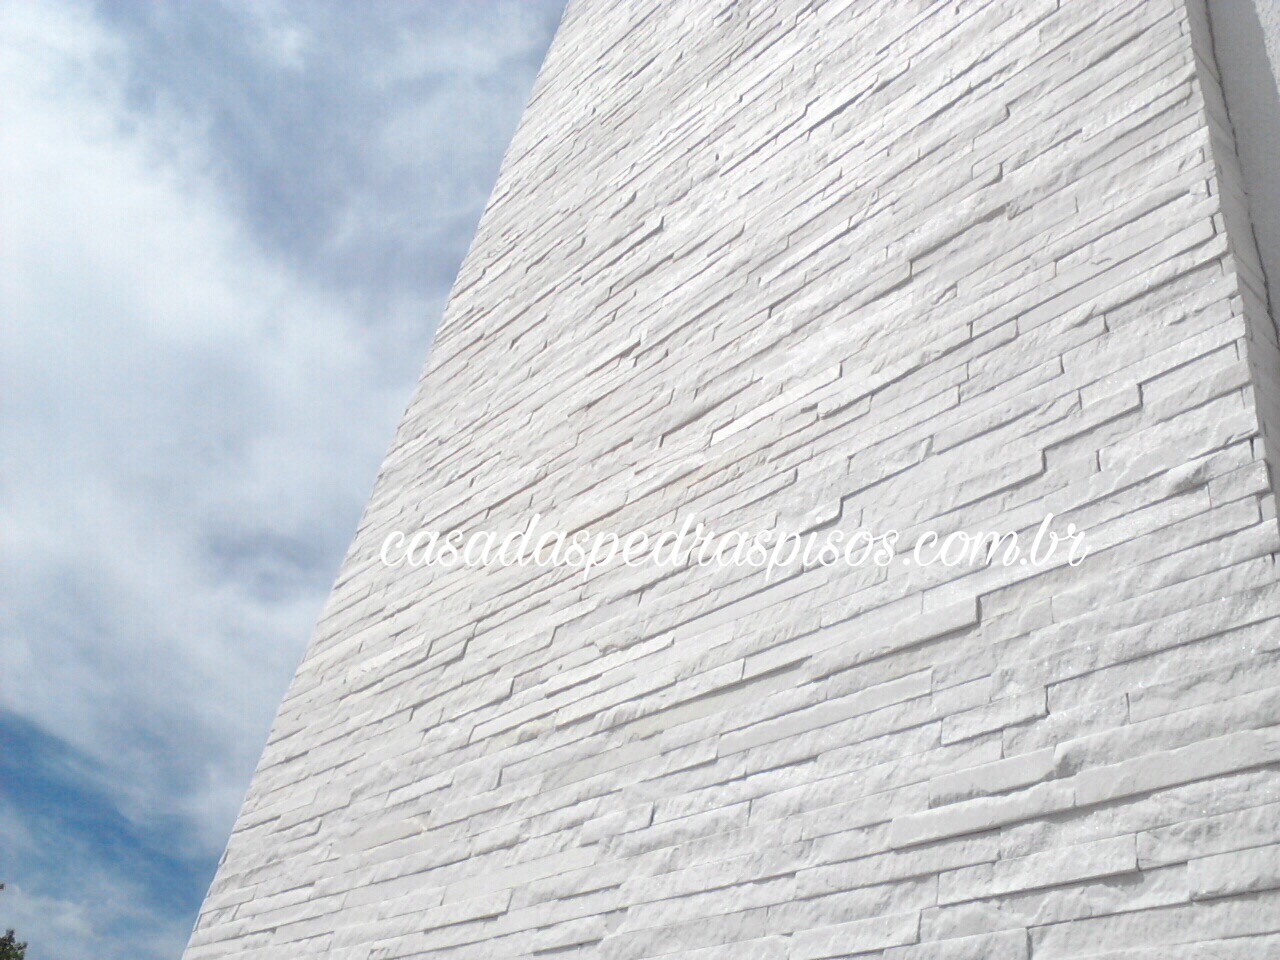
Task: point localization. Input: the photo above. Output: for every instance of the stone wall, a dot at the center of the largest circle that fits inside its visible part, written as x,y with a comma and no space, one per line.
819,266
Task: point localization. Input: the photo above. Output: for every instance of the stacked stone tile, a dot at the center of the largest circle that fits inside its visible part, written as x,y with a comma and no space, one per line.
819,266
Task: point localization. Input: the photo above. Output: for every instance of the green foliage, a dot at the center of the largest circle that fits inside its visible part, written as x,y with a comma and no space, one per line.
10,948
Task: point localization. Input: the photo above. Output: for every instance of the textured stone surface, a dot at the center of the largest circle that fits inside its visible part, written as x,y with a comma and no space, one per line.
905,265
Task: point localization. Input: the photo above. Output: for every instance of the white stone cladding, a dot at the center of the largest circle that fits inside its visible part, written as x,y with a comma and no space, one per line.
821,265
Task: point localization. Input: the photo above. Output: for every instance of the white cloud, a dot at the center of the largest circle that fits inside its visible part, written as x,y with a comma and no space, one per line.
195,397
176,401
189,429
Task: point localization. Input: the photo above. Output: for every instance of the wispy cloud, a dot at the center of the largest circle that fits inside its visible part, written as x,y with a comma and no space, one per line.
228,231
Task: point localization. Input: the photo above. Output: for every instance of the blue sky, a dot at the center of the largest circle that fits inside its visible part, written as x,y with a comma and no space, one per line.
228,230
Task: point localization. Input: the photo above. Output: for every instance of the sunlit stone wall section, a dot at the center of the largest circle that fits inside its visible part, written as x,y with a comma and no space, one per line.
826,266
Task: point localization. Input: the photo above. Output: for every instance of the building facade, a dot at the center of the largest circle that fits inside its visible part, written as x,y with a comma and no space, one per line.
822,267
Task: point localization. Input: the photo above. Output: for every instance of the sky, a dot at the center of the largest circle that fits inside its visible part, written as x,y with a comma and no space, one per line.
227,231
